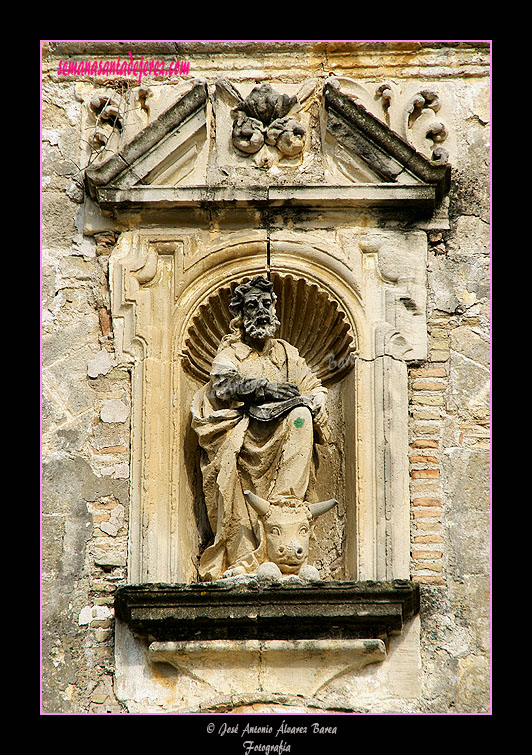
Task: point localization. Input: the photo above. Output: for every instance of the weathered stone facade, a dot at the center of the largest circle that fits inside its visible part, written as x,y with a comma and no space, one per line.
436,96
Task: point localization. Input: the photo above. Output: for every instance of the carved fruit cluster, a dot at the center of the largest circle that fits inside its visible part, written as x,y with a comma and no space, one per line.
263,117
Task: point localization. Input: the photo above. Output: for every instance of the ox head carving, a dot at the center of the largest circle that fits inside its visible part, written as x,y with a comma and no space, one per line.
287,528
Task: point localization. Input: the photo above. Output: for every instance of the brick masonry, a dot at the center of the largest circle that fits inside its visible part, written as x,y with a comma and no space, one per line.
428,384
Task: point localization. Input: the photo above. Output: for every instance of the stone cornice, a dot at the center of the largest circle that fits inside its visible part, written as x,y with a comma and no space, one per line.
361,195
258,610
203,47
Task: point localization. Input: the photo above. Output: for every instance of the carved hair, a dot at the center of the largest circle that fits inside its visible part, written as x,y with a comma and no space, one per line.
236,305
287,503
259,282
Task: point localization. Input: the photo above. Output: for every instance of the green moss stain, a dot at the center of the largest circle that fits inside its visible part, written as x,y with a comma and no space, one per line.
299,422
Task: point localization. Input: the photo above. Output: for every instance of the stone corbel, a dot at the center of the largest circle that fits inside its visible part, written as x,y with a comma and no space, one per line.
242,667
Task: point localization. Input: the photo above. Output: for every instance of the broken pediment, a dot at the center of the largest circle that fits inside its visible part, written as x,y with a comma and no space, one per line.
163,153
367,163
310,320
366,149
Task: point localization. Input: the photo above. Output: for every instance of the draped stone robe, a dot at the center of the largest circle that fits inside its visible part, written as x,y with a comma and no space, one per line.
272,459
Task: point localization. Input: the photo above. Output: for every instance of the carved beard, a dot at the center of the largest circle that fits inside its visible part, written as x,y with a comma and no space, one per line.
261,327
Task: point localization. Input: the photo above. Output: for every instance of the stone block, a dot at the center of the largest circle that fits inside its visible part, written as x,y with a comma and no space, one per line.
470,388
426,414
427,385
439,355
115,522
114,410
66,381
59,219
424,501
110,556
424,473
428,372
426,400
101,364
465,476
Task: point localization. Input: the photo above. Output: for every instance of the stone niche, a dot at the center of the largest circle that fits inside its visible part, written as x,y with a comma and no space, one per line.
346,252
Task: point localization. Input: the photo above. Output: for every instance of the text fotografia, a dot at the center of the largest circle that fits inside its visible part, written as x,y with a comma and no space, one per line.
128,67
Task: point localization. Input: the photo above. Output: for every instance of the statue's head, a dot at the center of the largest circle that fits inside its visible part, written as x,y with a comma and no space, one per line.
254,304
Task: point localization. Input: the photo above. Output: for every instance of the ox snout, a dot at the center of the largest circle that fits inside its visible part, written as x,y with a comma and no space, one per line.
291,551
289,557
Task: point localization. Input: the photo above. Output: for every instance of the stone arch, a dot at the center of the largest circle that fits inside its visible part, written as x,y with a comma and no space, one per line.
303,273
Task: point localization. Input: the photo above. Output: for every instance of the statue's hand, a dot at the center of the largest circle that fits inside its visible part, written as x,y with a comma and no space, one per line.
317,401
280,391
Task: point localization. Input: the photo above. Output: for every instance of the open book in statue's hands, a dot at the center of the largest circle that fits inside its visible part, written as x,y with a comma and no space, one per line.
276,409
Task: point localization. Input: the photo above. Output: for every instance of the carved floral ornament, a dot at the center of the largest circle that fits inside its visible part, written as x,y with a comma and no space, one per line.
106,113
421,108
265,117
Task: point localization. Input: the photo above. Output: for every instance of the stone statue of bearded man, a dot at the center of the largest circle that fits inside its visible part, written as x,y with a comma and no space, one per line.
257,421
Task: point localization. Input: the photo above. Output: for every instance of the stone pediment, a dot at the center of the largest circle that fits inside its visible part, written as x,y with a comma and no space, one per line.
372,164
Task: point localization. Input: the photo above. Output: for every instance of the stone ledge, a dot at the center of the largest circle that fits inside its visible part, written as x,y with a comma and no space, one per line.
260,610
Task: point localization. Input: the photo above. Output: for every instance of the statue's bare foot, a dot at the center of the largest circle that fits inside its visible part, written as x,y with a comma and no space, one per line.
235,571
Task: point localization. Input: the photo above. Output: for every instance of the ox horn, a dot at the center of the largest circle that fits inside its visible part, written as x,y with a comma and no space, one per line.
259,504
317,509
